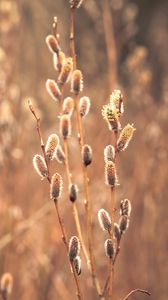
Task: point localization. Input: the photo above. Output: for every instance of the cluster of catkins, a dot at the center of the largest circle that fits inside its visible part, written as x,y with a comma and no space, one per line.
6,285
112,113
53,148
119,228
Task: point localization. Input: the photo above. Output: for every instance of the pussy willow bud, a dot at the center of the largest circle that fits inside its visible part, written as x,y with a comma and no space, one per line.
77,265
53,89
123,223
116,100
104,219
86,155
40,165
51,145
68,106
74,247
77,82
56,186
110,174
66,71
111,117
75,3
117,232
52,44
109,248
6,284
109,153
58,60
84,106
59,154
73,192
125,137
125,207
65,126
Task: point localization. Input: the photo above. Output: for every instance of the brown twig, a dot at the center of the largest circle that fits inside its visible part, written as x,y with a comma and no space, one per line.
72,42
38,127
135,291
74,206
64,238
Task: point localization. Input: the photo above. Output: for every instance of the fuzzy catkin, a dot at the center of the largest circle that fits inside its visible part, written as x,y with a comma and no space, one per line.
65,126
109,153
86,155
125,137
109,248
52,44
53,89
59,154
84,106
73,192
104,219
40,165
110,174
51,145
117,232
123,223
125,207
75,3
66,70
77,82
56,187
74,247
6,283
68,106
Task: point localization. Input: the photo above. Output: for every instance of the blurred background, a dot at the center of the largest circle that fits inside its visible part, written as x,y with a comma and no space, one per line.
120,44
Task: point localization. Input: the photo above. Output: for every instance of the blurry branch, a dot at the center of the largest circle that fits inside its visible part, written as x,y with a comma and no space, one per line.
135,291
110,45
25,225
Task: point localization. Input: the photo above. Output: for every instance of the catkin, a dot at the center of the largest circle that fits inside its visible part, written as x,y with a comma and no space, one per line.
77,265
52,44
68,106
109,248
77,82
65,126
59,154
104,219
86,155
74,247
6,284
40,165
110,174
53,89
84,106
51,145
125,137
56,186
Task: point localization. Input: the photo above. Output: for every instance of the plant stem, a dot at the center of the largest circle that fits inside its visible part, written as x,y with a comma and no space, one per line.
72,42
74,206
135,291
64,238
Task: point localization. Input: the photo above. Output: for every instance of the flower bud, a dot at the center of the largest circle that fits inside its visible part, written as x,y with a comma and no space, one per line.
109,248
86,155
40,165
53,89
84,106
74,247
110,174
125,137
68,106
73,192
52,44
117,233
111,117
77,82
6,284
123,223
65,71
51,145
56,186
58,60
109,153
125,207
116,101
104,219
65,126
59,154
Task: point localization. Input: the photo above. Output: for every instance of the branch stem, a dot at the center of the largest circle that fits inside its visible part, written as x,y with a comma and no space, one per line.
135,291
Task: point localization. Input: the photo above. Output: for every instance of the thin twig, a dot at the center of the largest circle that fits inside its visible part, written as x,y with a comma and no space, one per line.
135,291
72,42
38,127
64,238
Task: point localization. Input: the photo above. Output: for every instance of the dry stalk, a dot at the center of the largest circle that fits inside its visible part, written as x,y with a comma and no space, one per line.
64,237
135,291
84,169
